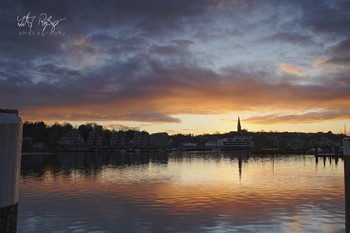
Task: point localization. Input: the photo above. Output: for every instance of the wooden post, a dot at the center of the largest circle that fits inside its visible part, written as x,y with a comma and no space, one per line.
346,146
10,164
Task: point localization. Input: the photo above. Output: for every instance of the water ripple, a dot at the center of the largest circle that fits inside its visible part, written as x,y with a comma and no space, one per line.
188,192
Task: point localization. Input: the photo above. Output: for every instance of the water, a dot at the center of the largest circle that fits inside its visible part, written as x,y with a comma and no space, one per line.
180,192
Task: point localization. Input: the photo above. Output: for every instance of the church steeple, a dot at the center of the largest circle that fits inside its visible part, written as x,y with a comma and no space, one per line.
239,129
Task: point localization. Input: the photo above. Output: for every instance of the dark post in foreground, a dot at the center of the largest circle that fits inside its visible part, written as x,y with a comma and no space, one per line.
10,163
346,146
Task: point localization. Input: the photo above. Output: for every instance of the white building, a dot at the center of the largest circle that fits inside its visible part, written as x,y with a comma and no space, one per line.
236,142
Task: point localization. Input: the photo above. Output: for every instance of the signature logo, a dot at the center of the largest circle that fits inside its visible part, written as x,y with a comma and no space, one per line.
46,24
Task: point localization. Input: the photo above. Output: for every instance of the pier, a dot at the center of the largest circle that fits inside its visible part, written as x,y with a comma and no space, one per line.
346,146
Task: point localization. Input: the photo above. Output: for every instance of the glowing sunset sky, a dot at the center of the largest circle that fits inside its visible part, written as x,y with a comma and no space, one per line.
181,66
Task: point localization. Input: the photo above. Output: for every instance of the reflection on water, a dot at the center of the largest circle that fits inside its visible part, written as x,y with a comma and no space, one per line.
180,192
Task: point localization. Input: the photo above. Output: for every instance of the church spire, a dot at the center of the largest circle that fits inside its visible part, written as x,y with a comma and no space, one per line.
239,129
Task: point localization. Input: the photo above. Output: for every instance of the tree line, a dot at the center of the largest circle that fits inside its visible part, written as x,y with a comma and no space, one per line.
50,134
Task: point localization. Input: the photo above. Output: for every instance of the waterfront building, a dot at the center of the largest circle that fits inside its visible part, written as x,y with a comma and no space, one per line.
118,140
39,146
71,140
159,140
189,146
27,143
141,140
211,145
236,142
96,140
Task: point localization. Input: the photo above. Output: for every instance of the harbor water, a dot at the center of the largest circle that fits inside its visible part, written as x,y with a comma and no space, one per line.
180,192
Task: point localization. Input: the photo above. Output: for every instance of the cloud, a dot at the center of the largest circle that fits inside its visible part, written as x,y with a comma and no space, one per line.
336,58
292,69
149,89
166,93
328,18
339,54
147,61
309,117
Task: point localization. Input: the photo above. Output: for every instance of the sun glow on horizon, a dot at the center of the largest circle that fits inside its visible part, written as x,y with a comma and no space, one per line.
213,124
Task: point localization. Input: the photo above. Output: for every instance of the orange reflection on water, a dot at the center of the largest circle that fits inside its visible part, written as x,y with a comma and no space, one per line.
286,189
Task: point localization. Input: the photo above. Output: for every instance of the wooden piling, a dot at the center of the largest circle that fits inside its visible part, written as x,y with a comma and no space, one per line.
346,146
10,163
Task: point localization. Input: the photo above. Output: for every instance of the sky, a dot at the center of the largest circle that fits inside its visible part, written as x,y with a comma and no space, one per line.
178,66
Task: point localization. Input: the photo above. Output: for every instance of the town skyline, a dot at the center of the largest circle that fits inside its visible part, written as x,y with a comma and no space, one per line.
93,137
234,128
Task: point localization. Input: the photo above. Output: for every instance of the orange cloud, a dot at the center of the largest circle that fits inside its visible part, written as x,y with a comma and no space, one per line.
298,118
163,102
333,65
292,69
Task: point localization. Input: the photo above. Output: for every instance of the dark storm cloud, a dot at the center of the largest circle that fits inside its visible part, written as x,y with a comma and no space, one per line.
90,17
53,71
339,54
84,15
313,20
328,17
